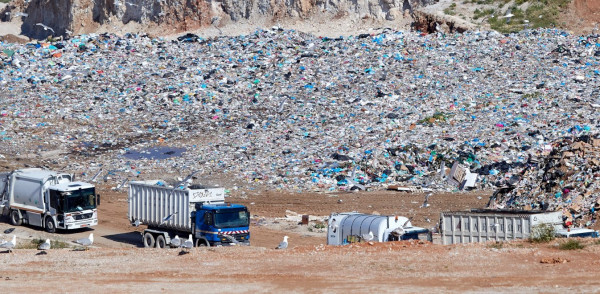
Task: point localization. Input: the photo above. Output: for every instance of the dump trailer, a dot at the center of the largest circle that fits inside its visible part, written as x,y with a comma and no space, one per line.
487,225
182,211
47,199
350,227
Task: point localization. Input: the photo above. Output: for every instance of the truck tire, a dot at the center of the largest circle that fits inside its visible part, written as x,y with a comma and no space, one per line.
15,218
201,242
148,240
50,227
161,242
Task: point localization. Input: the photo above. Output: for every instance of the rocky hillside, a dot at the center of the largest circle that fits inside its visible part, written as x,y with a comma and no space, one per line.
172,16
326,17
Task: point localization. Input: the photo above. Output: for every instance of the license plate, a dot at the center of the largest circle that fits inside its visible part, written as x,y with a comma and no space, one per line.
84,226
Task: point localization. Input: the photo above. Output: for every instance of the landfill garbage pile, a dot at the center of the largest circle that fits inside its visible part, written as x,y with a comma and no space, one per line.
566,177
280,109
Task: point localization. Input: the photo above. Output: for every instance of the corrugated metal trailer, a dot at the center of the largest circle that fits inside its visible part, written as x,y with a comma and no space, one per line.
486,225
151,204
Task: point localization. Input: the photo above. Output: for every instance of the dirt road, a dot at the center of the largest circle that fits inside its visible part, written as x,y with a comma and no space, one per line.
118,264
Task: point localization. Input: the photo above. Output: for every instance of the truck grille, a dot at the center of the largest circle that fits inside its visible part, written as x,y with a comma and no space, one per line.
83,216
240,237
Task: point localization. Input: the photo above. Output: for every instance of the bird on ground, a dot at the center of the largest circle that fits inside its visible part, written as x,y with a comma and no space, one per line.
176,241
187,244
44,246
10,245
283,244
86,242
44,26
132,4
136,223
368,237
8,231
425,203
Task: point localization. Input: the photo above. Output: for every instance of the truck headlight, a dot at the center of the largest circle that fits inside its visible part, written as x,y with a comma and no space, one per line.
69,219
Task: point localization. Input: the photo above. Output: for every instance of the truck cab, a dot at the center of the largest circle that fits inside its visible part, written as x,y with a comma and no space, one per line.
47,199
216,224
73,205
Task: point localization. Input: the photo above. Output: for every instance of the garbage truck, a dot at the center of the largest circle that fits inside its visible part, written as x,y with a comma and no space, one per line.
349,227
195,210
48,199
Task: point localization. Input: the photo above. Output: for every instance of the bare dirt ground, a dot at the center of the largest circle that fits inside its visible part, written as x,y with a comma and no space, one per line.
118,264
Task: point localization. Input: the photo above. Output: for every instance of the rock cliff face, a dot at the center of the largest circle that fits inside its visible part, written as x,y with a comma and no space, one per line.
84,16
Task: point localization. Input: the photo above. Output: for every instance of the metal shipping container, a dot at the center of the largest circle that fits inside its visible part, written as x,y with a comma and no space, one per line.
486,225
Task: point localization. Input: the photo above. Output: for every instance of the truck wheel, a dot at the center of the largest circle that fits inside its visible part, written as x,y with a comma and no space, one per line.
15,218
148,240
161,242
50,227
202,243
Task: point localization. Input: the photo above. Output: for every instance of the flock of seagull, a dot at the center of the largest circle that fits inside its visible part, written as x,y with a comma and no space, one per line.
46,245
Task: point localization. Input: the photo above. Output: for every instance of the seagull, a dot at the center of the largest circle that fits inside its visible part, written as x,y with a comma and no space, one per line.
86,242
186,179
231,239
136,223
132,4
176,241
283,244
122,184
368,237
21,14
93,180
44,246
44,26
425,204
188,244
10,245
168,218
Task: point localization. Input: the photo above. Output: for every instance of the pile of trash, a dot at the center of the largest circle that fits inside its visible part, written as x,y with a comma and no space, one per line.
566,177
280,109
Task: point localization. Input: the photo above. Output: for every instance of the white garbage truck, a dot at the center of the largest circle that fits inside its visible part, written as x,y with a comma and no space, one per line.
47,199
350,227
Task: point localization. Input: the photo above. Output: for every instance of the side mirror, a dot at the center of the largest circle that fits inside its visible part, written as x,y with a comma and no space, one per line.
98,199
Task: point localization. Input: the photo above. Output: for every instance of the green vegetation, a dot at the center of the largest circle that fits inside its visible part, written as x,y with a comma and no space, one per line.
542,233
35,243
539,13
437,117
496,245
450,9
571,244
481,13
4,1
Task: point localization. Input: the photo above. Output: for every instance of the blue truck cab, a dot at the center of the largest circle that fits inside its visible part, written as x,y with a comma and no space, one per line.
221,224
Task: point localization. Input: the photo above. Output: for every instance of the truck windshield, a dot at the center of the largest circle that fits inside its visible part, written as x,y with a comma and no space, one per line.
231,219
79,200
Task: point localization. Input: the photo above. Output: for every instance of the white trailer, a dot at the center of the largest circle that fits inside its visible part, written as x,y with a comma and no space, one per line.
47,199
489,225
348,227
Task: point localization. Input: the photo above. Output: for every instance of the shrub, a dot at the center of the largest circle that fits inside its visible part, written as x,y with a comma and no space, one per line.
542,233
571,244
